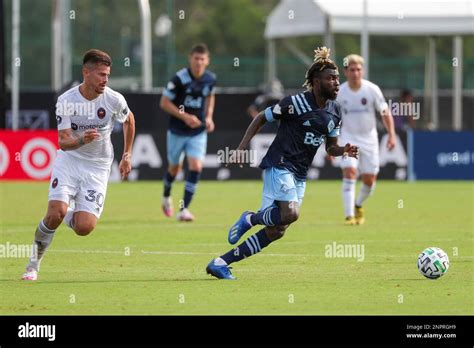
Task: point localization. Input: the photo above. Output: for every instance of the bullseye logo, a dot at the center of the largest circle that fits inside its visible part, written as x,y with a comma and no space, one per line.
4,158
37,158
101,113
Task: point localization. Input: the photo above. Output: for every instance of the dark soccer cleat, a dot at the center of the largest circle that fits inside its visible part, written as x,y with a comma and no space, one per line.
239,228
219,271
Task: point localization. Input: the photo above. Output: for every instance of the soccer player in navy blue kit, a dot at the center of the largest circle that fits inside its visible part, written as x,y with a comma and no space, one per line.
306,121
189,101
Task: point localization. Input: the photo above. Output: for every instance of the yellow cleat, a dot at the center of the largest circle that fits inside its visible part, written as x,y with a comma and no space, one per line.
350,220
360,218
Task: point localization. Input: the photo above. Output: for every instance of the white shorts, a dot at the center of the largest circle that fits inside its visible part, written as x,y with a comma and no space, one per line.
368,162
78,179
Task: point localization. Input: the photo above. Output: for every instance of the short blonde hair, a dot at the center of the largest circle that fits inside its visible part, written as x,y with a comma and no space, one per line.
353,59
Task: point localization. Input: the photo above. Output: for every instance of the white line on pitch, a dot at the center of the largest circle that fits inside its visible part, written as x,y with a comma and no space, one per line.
86,251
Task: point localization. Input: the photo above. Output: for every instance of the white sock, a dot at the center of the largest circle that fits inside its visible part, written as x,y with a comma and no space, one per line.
348,196
220,262
364,193
68,218
43,238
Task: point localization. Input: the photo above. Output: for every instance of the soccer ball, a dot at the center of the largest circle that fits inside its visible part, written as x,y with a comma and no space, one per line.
433,263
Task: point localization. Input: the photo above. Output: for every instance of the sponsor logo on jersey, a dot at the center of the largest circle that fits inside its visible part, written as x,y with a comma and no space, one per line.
101,113
194,103
363,101
88,126
59,119
54,184
312,139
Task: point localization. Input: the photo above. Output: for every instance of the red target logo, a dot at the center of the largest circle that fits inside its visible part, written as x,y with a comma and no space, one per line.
27,155
4,158
37,158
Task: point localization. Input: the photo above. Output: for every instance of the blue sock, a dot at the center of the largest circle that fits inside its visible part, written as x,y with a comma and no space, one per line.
270,216
254,244
190,186
167,181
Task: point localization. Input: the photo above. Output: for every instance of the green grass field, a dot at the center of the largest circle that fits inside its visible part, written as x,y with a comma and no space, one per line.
164,272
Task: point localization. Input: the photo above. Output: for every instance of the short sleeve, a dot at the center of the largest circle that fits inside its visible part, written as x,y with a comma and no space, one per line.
336,130
379,100
63,119
281,111
122,112
172,87
212,89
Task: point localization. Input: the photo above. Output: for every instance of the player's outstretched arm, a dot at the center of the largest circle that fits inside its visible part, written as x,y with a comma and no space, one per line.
68,141
335,150
125,165
254,127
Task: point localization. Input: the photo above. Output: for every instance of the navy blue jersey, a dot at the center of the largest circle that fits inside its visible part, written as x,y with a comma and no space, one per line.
303,128
185,91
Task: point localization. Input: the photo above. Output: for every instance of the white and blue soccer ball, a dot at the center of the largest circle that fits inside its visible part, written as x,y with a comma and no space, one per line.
433,263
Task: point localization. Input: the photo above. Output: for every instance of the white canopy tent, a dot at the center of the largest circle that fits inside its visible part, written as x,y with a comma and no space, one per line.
294,18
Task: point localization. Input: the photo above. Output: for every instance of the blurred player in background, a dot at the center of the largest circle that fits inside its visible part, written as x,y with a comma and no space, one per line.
85,116
404,122
360,100
306,121
189,101
272,94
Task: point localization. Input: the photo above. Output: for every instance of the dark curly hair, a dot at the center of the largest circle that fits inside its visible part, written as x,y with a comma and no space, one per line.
321,62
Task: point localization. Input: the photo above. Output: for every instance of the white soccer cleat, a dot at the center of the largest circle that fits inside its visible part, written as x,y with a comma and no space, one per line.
185,215
167,206
30,274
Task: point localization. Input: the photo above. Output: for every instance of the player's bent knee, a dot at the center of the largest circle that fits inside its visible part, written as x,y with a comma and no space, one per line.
54,218
84,228
350,173
290,216
174,170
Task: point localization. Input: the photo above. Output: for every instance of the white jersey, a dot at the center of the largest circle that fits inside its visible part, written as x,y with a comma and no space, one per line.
76,112
358,110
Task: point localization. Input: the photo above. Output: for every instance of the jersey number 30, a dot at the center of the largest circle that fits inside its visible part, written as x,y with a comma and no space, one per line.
92,197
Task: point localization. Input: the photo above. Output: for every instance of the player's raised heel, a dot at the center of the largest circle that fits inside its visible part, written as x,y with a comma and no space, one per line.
359,215
167,206
239,228
30,274
350,221
219,271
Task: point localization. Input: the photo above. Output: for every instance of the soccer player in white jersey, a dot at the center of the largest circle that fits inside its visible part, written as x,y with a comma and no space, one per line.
85,116
360,101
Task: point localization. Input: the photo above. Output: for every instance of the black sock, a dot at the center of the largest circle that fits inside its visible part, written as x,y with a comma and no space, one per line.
190,187
254,244
167,181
